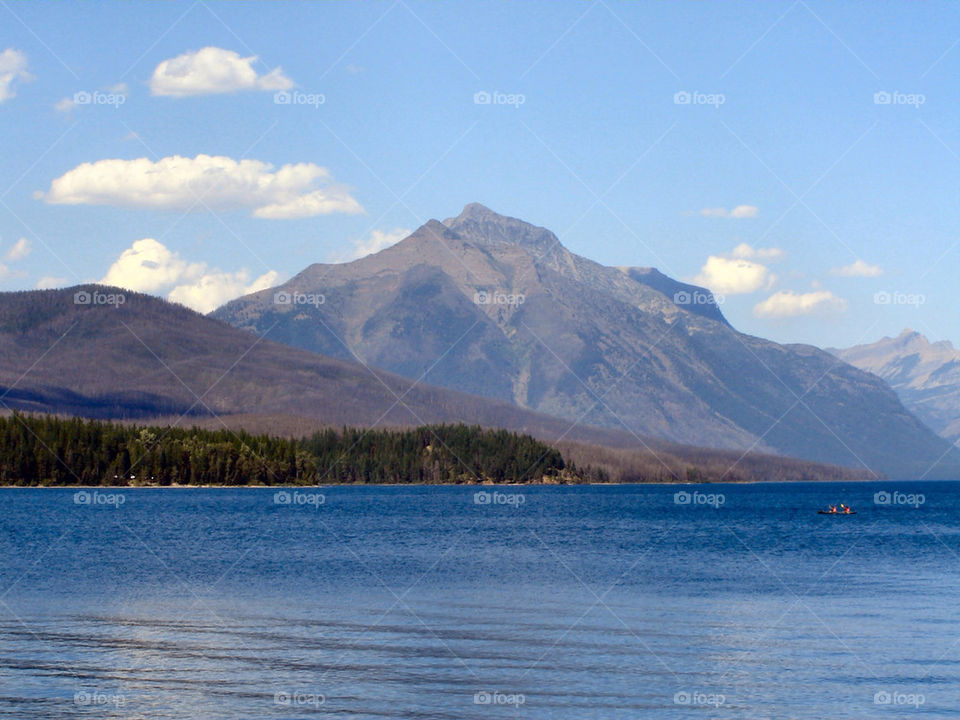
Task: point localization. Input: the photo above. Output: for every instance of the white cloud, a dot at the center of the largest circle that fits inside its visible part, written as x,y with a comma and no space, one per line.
378,240
748,252
218,182
745,211
13,67
739,212
858,269
65,105
734,276
119,89
213,70
149,266
48,282
786,304
21,248
213,289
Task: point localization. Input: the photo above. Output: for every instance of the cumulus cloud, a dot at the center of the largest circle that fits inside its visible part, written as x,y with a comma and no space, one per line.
21,248
218,182
743,270
48,282
66,105
858,269
213,70
787,304
213,289
734,275
150,266
13,68
739,212
378,240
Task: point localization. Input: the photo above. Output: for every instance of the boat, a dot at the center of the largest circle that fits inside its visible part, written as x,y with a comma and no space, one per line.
840,509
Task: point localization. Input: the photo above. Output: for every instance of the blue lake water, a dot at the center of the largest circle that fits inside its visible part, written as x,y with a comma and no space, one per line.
430,602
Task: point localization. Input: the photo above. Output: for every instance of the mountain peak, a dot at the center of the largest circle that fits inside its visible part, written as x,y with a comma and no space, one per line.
480,225
477,211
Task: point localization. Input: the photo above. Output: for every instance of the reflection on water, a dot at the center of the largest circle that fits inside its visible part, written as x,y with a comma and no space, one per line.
610,602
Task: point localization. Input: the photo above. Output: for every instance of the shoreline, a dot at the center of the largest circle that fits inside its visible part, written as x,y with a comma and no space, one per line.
448,485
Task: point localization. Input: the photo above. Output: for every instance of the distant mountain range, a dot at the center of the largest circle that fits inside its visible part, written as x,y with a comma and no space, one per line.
81,351
494,306
925,375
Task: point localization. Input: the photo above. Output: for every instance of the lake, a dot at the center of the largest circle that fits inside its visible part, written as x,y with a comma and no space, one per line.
722,601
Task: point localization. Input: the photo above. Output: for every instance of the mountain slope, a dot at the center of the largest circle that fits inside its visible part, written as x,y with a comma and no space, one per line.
925,375
147,358
496,306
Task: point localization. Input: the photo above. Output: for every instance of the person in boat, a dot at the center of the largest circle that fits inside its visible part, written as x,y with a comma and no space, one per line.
833,509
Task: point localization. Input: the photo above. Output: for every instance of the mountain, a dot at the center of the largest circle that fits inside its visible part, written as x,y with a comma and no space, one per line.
495,306
104,352
925,375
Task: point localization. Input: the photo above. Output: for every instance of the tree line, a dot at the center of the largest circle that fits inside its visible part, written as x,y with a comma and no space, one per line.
50,450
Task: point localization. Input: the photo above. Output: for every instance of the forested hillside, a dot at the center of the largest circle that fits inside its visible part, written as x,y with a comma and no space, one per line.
47,450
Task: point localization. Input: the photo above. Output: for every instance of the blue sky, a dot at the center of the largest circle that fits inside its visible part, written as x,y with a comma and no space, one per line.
821,212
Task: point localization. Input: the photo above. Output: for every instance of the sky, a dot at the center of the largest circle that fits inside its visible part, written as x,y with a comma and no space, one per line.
800,159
